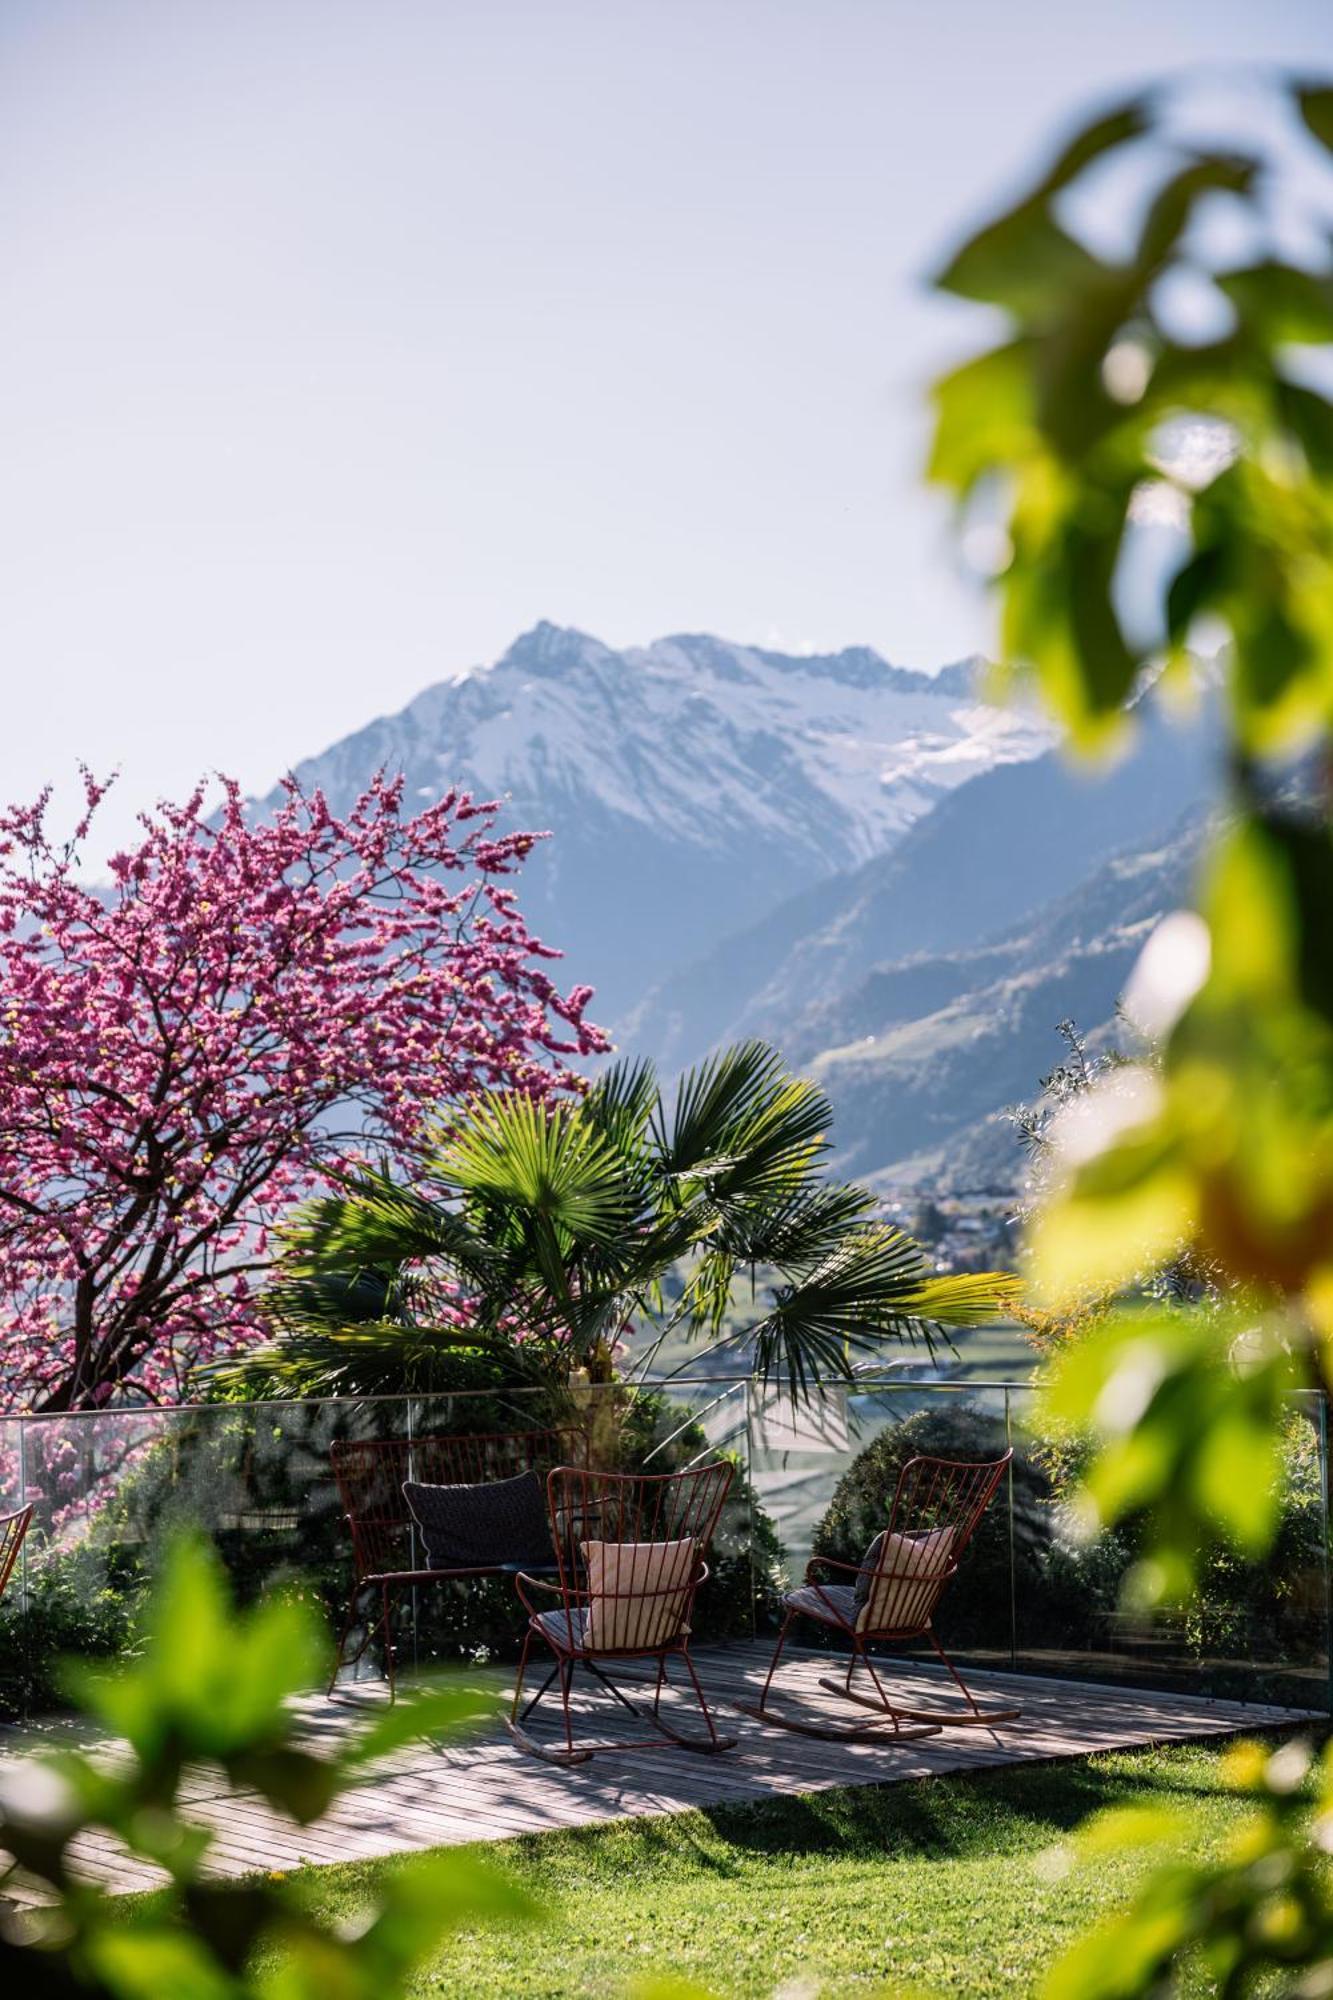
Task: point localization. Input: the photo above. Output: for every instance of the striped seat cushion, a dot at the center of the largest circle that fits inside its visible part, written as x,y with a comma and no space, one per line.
564,1628
832,1603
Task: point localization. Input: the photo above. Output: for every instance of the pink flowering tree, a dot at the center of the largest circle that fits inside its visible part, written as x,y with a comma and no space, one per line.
185,1052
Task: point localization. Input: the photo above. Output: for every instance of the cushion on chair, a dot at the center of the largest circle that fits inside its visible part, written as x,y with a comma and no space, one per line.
830,1603
564,1628
637,1592
498,1523
898,1583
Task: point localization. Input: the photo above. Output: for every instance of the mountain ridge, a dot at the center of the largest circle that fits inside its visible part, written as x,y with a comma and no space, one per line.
992,852
690,783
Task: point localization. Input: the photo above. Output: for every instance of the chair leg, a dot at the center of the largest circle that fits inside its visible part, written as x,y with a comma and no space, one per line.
522,1669
715,1742
338,1661
773,1663
975,1716
566,1678
979,1715
514,1721
886,1713
386,1627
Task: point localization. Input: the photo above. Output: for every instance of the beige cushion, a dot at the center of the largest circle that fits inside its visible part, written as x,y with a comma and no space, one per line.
637,1592
903,1584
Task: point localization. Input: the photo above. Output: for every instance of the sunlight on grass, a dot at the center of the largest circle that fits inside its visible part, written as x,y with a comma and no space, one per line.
962,1885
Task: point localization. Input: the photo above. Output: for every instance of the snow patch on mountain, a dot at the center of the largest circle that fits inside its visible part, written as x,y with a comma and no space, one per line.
694,736
690,784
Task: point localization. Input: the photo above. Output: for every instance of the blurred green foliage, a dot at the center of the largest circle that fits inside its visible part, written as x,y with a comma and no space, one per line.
1097,397
1108,404
213,1686
1096,404
1258,1918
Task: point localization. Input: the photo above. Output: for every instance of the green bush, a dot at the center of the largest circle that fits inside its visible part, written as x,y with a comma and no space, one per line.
1249,1630
79,1604
976,1609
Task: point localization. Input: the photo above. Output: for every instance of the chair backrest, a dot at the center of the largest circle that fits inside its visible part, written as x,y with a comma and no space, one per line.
936,1507
370,1477
13,1527
631,1548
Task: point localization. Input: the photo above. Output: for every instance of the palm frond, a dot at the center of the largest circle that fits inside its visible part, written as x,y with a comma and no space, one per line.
380,1225
382,1358
966,1298
620,1103
796,1228
538,1160
876,1286
745,1128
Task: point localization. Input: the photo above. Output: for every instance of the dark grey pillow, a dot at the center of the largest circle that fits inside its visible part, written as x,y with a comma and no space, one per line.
865,1576
490,1526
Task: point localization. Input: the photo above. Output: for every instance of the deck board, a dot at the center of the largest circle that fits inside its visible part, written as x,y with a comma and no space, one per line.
432,1795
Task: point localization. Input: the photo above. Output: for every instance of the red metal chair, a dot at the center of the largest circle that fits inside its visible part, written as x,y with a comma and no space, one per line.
891,1596
631,1550
370,1479
13,1527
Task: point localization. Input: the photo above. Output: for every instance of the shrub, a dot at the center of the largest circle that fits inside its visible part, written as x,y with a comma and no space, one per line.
1248,1629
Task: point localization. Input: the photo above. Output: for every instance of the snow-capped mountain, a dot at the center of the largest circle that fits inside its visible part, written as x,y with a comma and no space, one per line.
688,785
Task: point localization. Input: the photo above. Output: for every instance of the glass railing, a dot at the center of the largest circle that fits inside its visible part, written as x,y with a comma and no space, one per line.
1032,1596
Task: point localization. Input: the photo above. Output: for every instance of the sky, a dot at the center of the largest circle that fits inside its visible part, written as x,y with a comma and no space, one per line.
341,343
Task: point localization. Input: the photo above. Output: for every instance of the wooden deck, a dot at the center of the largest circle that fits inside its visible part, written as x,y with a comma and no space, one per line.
486,1789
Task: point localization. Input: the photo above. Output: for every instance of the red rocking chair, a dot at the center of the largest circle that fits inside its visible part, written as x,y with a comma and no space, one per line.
370,1478
631,1552
13,1527
891,1597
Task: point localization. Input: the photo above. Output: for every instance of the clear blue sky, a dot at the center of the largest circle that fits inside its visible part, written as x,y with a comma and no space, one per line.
342,342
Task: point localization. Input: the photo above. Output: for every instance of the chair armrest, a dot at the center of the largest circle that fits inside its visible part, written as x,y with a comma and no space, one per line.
817,1563
566,1597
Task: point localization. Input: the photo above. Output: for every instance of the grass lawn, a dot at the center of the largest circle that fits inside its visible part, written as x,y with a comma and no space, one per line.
961,1885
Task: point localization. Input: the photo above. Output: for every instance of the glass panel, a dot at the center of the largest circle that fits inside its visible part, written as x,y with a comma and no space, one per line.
1255,1632
108,1487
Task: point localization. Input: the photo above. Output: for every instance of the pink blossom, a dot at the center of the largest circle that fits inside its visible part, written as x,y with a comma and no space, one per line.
183,1055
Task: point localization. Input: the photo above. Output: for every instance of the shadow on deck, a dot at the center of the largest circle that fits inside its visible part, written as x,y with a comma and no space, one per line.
485,1788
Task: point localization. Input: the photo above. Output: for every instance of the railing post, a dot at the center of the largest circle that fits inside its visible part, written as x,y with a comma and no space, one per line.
412,1544
23,1501
1013,1579
746,1389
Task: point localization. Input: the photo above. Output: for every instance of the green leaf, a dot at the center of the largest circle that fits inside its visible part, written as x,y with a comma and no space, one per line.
1315,103
439,1711
1023,261
147,1962
300,1783
1195,586
984,416
1109,667
1173,207
1309,416
1115,128
1125,1827
1282,302
1186,1408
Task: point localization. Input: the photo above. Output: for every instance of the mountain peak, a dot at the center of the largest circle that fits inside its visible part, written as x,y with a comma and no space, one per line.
689,784
549,648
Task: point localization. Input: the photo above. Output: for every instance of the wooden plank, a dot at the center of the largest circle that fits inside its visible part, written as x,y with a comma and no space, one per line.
430,1794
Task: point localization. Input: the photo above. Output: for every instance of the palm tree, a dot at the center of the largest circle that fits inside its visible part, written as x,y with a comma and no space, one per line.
539,1234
